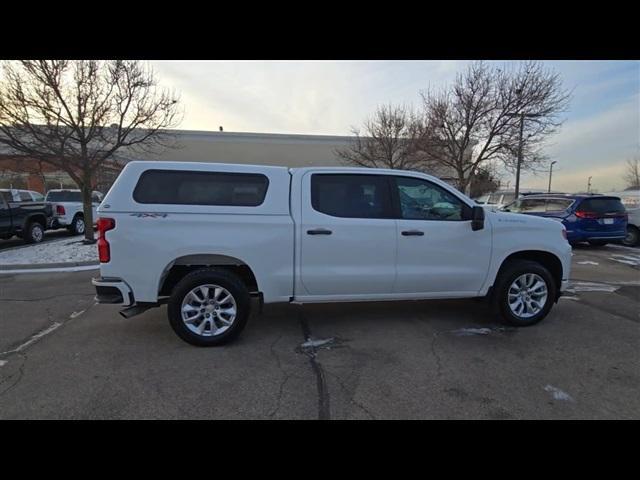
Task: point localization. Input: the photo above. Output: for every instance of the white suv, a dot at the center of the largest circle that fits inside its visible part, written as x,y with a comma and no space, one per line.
205,237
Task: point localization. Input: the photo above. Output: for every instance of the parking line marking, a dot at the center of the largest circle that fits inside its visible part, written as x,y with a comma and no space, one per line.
34,338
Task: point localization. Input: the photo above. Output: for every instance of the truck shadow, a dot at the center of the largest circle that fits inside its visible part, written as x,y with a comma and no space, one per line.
454,313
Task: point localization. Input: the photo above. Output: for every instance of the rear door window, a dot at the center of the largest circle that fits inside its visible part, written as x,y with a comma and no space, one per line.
25,197
351,195
176,187
64,196
558,204
529,205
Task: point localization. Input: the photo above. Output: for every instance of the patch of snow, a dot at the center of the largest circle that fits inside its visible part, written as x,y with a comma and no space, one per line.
76,314
316,343
588,262
591,287
465,332
81,268
566,297
66,250
558,394
3,363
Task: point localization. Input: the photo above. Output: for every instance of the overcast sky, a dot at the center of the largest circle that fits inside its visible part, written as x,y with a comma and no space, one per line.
601,131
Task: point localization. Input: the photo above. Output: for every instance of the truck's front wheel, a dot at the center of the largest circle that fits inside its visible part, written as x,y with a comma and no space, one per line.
524,293
209,307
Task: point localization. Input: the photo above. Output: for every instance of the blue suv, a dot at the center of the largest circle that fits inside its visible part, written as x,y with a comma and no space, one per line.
597,219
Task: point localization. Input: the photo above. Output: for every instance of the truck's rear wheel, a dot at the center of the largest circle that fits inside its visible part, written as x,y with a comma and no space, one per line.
209,307
524,294
35,233
77,226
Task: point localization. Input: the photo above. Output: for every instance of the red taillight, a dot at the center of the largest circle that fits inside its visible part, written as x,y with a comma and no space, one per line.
104,225
60,210
581,214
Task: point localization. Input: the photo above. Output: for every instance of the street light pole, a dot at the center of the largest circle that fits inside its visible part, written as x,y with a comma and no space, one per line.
589,185
550,173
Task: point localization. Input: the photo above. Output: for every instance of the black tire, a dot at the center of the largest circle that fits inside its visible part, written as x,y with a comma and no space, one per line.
222,278
77,226
633,236
508,274
34,233
598,243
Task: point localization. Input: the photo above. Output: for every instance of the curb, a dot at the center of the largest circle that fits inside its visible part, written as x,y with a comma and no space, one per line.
38,266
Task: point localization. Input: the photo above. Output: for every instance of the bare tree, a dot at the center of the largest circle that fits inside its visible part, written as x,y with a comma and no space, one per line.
389,140
632,173
476,120
75,115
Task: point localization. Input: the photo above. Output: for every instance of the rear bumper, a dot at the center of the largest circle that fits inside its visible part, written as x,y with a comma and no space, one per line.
59,222
113,291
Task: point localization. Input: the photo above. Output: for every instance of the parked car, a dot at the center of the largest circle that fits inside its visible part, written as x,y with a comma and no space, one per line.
631,201
206,237
68,210
501,198
18,195
28,220
597,219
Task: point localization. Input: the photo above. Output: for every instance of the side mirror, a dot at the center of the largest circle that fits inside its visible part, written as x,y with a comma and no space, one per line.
477,218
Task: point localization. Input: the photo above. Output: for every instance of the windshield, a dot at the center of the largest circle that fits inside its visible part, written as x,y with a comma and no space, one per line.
64,196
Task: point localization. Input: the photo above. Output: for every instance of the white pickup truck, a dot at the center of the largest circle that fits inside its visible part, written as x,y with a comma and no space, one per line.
205,237
68,210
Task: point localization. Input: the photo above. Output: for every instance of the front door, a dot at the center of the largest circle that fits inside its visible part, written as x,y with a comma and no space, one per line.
348,235
5,216
438,252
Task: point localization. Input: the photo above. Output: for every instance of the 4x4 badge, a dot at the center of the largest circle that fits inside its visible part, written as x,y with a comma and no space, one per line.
149,215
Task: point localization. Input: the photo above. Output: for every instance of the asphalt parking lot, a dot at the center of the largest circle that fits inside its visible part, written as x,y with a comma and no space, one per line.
49,236
64,357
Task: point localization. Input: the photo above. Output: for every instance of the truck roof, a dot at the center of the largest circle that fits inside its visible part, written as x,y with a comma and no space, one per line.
171,165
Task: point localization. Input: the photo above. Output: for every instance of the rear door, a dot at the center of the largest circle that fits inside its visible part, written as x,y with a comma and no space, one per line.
602,215
438,252
348,235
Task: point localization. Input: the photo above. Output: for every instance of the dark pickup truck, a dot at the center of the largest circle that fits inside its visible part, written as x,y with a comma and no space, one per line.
27,220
